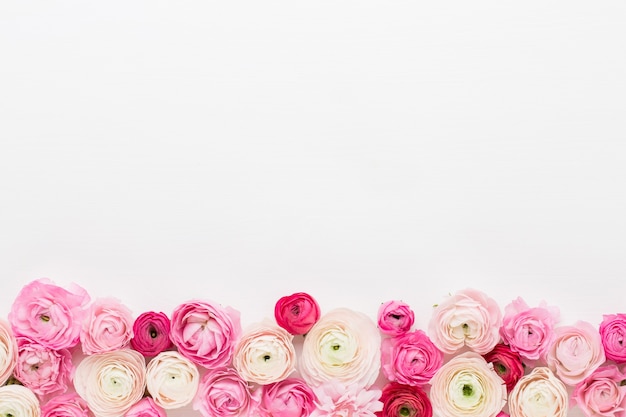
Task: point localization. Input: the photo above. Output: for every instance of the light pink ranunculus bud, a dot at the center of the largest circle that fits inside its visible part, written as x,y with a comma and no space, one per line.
18,401
335,399
602,394
223,393
172,380
151,333
410,359
395,318
67,405
108,327
613,335
576,352
146,407
48,314
539,394
529,331
290,397
205,332
8,351
468,318
44,371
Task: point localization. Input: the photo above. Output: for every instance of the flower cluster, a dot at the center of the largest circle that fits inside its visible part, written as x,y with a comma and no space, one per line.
65,355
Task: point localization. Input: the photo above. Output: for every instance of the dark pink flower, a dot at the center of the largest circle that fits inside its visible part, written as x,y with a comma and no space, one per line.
395,318
297,313
410,359
404,401
288,398
146,407
507,364
613,334
151,333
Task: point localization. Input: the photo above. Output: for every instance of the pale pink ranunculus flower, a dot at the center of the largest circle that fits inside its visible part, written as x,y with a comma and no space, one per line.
265,354
467,386
223,393
613,335
291,397
48,314
205,332
602,394
344,345
18,401
146,407
395,318
172,380
8,351
410,359
539,394
335,399
529,331
107,327
576,352
43,370
111,382
468,318
67,405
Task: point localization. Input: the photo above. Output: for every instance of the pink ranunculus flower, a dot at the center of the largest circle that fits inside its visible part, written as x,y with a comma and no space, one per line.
145,407
613,335
576,352
529,331
205,332
265,354
223,393
172,380
290,397
8,351
67,405
43,370
108,327
467,386
335,400
48,314
111,382
539,394
344,345
297,313
18,401
502,414
395,318
602,394
410,359
404,401
468,318
507,364
151,333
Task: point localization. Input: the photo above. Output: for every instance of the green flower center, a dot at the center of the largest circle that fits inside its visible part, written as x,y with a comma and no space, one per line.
468,390
405,412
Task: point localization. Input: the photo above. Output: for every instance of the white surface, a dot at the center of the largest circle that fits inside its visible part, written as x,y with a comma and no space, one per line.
358,151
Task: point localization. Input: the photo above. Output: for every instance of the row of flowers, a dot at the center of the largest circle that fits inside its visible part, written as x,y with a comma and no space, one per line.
64,355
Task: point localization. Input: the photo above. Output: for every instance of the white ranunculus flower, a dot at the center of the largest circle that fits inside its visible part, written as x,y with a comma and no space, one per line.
265,354
8,351
172,380
18,401
344,345
111,382
467,386
539,394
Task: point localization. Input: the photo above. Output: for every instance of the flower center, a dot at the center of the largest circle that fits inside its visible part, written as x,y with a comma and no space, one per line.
405,412
45,318
467,390
266,358
153,333
500,369
335,347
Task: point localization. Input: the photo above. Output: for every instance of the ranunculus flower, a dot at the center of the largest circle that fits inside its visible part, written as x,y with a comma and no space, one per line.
108,327
146,408
67,405
466,385
468,318
576,352
8,351
18,401
507,364
111,382
223,393
265,354
297,313
401,400
410,359
287,398
344,345
205,332
613,335
48,314
602,394
335,400
395,318
502,414
151,333
529,331
43,370
539,394
172,380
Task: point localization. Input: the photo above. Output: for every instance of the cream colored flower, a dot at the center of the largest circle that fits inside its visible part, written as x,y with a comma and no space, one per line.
8,351
18,401
539,394
172,380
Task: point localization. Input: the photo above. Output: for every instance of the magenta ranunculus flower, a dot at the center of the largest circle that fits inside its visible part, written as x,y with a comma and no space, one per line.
108,327
151,333
146,407
223,393
48,314
290,397
507,364
410,359
613,334
404,401
395,318
529,331
297,313
43,370
205,332
68,405
603,393
8,351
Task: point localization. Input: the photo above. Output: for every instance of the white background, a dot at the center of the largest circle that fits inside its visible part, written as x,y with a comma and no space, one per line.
360,151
